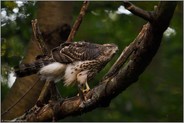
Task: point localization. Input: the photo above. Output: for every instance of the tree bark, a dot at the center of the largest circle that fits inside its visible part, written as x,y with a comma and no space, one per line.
51,17
137,56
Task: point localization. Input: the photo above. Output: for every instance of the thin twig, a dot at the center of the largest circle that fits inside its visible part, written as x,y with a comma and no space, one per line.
148,16
78,21
38,37
43,94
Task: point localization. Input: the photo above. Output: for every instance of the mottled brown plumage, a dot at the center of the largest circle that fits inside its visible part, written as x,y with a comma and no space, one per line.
74,62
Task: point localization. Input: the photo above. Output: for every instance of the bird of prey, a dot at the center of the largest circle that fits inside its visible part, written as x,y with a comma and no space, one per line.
74,62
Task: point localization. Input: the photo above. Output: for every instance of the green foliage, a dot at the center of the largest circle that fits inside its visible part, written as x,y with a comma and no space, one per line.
157,96
15,35
4,90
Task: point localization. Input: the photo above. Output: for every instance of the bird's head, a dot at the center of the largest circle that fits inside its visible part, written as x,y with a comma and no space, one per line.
110,50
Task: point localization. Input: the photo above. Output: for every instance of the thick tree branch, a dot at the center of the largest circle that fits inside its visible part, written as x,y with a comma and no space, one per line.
163,13
38,37
140,53
148,16
120,62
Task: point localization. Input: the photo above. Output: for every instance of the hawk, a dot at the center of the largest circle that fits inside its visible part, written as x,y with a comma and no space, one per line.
74,62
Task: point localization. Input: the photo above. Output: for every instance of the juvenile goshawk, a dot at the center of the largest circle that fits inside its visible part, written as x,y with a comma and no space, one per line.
75,62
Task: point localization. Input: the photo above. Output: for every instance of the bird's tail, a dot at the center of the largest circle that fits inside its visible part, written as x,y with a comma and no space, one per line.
32,68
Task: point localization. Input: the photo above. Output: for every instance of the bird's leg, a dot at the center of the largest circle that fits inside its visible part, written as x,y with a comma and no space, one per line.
85,101
84,89
87,88
82,79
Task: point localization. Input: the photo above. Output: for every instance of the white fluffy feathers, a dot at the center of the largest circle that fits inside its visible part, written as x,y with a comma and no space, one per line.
71,73
52,72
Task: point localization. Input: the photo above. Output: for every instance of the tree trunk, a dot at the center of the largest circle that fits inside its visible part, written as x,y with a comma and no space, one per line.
51,17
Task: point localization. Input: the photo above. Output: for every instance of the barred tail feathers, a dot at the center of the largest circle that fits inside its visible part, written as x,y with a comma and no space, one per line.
32,68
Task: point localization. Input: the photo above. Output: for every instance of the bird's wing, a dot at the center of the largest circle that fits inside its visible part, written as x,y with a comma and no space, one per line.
76,51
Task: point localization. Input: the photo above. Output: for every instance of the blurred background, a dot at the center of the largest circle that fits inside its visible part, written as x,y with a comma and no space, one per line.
156,96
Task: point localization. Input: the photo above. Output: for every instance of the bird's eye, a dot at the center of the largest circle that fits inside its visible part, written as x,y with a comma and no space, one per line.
107,51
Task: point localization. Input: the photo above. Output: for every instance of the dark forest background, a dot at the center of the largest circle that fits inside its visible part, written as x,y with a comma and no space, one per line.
158,94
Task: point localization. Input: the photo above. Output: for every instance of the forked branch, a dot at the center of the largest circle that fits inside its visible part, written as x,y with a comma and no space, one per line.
148,16
137,56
